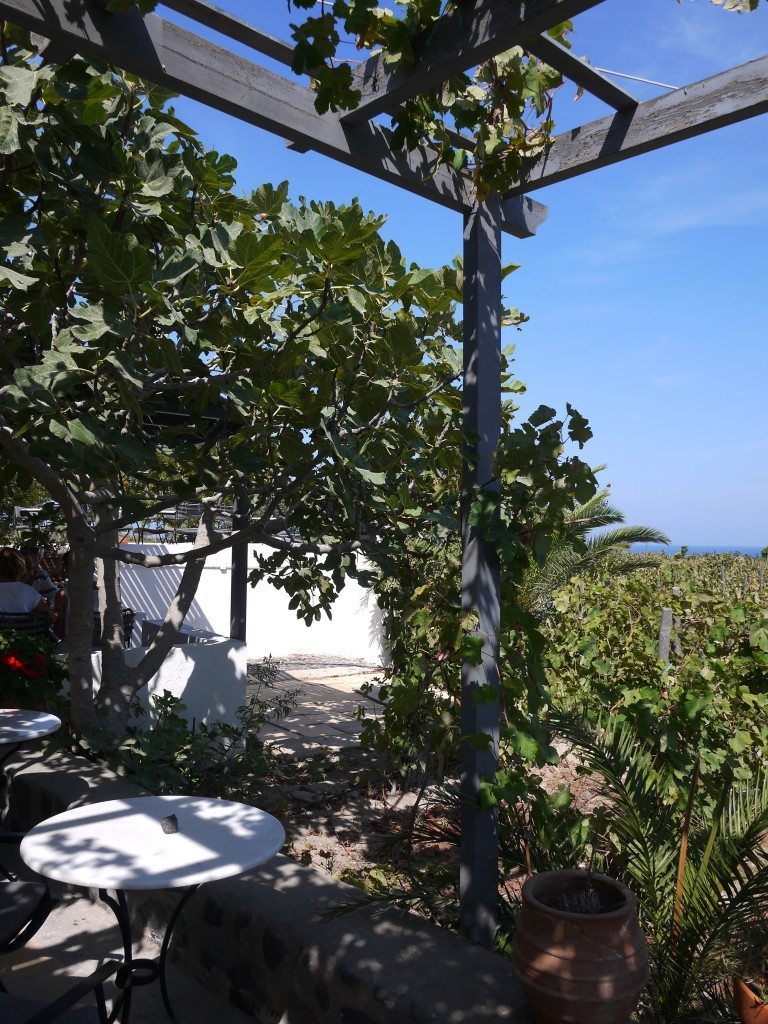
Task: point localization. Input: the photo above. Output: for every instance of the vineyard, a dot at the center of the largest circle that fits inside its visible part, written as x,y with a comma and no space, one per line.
680,651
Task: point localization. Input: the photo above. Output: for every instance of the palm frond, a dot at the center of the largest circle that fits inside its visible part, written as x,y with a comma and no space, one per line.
594,514
624,536
702,910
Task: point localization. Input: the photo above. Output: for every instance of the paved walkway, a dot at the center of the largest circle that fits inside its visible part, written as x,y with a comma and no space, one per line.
328,697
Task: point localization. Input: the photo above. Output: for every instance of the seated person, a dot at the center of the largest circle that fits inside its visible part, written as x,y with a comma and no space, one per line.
35,576
16,597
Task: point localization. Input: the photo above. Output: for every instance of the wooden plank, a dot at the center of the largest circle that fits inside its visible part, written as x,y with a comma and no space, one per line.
580,72
235,28
169,55
665,634
480,573
724,99
467,35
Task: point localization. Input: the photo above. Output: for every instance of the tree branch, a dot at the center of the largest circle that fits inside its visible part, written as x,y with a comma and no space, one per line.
251,534
168,633
18,452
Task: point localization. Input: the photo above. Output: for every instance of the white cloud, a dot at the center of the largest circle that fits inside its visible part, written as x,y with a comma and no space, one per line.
698,33
645,217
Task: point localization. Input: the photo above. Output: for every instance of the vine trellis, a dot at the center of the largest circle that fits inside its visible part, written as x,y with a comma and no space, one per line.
463,38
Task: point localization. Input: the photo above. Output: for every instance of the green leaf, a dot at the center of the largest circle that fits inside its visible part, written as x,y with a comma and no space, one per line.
522,743
9,131
541,416
117,261
74,430
15,279
373,477
18,84
579,429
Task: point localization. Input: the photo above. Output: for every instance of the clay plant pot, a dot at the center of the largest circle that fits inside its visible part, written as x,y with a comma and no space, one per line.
749,1006
586,964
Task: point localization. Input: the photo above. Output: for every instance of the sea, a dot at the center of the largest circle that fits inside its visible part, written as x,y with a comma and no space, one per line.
700,549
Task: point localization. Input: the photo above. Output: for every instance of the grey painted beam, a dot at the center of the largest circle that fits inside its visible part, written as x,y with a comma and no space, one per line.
724,99
180,60
468,34
580,72
235,28
238,602
478,885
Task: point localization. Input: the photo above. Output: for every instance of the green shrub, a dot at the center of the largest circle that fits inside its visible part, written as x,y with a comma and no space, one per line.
218,760
31,675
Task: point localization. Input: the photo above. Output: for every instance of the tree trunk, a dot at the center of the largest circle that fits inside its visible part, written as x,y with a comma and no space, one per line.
80,630
113,701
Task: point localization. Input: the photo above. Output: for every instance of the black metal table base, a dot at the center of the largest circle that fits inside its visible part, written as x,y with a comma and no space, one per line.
9,838
137,971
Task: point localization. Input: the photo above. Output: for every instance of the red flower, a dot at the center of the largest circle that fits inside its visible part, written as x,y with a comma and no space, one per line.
12,661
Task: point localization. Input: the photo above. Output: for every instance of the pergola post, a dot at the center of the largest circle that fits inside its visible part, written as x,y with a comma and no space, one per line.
480,566
238,607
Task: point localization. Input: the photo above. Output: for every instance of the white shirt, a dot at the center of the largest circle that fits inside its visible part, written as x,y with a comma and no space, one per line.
18,598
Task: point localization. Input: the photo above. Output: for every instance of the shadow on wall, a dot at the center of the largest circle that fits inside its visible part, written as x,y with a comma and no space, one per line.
354,630
150,591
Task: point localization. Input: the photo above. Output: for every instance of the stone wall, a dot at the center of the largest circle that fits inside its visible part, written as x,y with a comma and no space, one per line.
274,943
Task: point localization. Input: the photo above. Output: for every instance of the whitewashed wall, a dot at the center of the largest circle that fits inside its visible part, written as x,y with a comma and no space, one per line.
354,631
209,677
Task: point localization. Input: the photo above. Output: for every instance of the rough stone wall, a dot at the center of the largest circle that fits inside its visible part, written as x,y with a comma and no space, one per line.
274,943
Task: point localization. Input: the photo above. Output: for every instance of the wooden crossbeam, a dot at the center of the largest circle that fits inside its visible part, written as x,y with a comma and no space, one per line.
467,35
724,99
580,72
184,62
234,28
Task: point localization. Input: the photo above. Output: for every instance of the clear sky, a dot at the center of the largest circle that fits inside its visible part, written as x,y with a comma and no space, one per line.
647,285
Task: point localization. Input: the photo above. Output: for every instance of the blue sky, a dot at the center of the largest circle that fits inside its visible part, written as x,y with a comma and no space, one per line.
646,287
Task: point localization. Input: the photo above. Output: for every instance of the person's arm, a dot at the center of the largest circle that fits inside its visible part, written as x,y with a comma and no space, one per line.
43,606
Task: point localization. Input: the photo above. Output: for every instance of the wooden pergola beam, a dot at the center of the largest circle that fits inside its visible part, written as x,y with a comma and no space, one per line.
234,28
580,72
724,99
171,56
467,35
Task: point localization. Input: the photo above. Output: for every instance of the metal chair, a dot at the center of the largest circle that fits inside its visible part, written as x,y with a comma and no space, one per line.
28,623
64,1009
24,908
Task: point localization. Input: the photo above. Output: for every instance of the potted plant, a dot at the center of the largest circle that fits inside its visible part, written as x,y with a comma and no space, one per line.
578,948
30,674
751,999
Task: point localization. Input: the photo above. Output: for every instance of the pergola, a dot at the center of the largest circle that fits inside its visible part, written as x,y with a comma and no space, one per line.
473,31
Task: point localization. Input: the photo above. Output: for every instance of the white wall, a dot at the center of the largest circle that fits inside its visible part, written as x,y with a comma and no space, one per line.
354,631
210,678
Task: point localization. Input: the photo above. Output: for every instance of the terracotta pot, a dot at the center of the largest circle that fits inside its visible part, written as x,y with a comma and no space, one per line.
579,968
750,1007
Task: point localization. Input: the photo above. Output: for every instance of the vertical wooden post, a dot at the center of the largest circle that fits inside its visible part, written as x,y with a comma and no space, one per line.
665,634
238,607
480,567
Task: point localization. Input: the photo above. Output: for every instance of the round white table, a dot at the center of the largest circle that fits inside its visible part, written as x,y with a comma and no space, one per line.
18,727
121,845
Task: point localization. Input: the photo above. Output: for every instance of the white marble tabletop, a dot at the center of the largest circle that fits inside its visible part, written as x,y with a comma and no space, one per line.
18,726
120,844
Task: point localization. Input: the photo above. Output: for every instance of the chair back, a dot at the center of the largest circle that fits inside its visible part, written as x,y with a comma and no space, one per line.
29,623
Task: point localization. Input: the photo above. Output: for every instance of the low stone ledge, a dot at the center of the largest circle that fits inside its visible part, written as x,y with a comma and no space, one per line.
270,942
